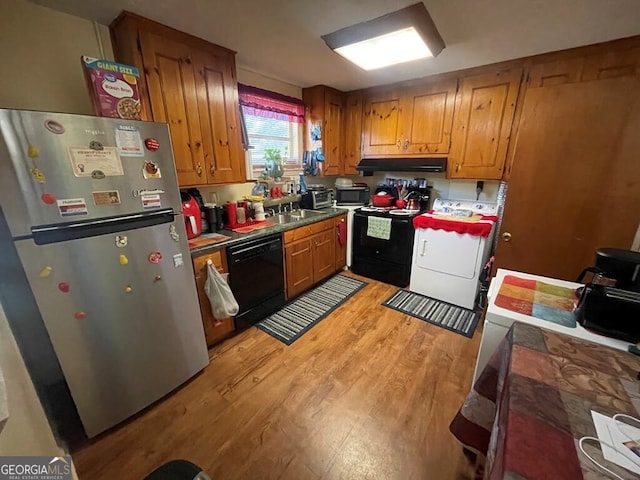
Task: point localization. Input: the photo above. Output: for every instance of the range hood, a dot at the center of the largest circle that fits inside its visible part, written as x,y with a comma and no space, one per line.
425,165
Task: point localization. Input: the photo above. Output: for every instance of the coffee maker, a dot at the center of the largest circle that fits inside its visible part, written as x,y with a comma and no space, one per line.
610,302
423,194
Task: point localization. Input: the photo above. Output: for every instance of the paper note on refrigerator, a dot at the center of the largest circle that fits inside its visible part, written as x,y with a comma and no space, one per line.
85,161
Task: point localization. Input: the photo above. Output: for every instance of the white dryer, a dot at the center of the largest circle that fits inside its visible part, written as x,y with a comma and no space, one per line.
451,246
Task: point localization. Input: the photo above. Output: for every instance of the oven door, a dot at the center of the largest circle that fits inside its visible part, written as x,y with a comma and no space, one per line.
399,247
388,261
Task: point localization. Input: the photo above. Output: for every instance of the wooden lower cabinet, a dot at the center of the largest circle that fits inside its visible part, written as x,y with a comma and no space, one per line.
299,265
214,329
310,255
324,259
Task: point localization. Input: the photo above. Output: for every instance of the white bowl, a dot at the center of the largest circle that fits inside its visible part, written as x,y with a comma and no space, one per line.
344,182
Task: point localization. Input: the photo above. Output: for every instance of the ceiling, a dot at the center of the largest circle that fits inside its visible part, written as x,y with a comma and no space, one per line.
281,38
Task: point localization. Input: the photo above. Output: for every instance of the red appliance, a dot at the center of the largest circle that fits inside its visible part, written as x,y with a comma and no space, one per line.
191,213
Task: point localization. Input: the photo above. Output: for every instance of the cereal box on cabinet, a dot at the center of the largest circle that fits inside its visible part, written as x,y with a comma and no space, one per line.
113,87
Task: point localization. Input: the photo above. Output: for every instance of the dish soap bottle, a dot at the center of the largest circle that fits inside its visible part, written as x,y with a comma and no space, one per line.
303,186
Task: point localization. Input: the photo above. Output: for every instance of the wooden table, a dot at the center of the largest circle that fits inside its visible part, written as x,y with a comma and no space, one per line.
532,403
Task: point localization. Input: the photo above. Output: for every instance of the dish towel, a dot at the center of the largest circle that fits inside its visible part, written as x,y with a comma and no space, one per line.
378,227
342,233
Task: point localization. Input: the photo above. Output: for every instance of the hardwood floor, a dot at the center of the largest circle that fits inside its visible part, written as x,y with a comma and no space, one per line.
368,393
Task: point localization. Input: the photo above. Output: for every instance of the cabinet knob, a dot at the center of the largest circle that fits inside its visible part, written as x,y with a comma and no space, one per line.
212,169
457,167
506,236
199,169
398,144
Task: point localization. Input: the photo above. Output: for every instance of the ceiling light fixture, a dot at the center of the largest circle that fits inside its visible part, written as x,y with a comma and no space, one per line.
402,36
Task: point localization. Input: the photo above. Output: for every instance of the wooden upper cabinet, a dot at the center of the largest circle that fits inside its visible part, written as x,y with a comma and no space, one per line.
555,73
484,112
381,126
409,121
191,85
612,64
170,78
218,106
324,107
332,134
352,132
426,117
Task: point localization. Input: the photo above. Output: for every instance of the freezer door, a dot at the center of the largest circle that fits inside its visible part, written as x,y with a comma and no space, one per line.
122,313
60,168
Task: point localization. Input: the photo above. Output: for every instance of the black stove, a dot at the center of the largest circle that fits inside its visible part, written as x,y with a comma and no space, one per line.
392,212
383,247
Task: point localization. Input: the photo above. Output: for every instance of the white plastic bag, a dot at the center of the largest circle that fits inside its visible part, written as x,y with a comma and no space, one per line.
223,303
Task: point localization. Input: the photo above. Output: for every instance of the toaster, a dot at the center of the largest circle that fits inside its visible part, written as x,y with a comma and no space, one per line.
614,312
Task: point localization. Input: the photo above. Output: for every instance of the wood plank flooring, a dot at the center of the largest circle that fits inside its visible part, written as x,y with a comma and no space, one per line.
368,393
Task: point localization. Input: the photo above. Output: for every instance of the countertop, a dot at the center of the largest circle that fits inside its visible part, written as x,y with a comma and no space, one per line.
236,237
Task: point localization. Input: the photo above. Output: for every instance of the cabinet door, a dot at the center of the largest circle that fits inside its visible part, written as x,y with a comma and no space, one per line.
381,126
332,134
172,91
352,133
214,329
556,73
299,267
341,241
482,125
219,111
324,260
427,115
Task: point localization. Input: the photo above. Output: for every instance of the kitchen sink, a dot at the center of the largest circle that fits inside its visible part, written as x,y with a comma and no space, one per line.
305,213
281,219
289,217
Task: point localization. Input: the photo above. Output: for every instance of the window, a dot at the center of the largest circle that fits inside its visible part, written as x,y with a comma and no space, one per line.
272,121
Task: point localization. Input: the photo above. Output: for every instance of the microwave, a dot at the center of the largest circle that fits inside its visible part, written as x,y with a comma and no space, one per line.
316,199
346,196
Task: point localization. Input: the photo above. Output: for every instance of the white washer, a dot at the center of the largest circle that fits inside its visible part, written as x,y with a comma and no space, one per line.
447,265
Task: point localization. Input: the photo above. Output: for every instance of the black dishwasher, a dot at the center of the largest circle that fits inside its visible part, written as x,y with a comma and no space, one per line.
256,276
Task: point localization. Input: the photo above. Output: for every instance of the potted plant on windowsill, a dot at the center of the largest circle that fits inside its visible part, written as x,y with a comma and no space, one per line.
273,162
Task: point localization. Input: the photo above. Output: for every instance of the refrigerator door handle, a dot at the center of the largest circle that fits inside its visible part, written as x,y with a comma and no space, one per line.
46,234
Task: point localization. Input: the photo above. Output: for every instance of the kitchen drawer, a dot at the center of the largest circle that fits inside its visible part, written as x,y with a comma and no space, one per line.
307,230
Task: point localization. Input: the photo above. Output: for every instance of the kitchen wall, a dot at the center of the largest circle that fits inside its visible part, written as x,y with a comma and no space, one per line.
27,430
40,50
442,187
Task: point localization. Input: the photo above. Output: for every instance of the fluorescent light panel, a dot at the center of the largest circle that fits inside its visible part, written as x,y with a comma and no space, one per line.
398,37
396,47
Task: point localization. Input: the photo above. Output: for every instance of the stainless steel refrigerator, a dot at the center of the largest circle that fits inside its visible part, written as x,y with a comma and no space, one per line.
97,282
